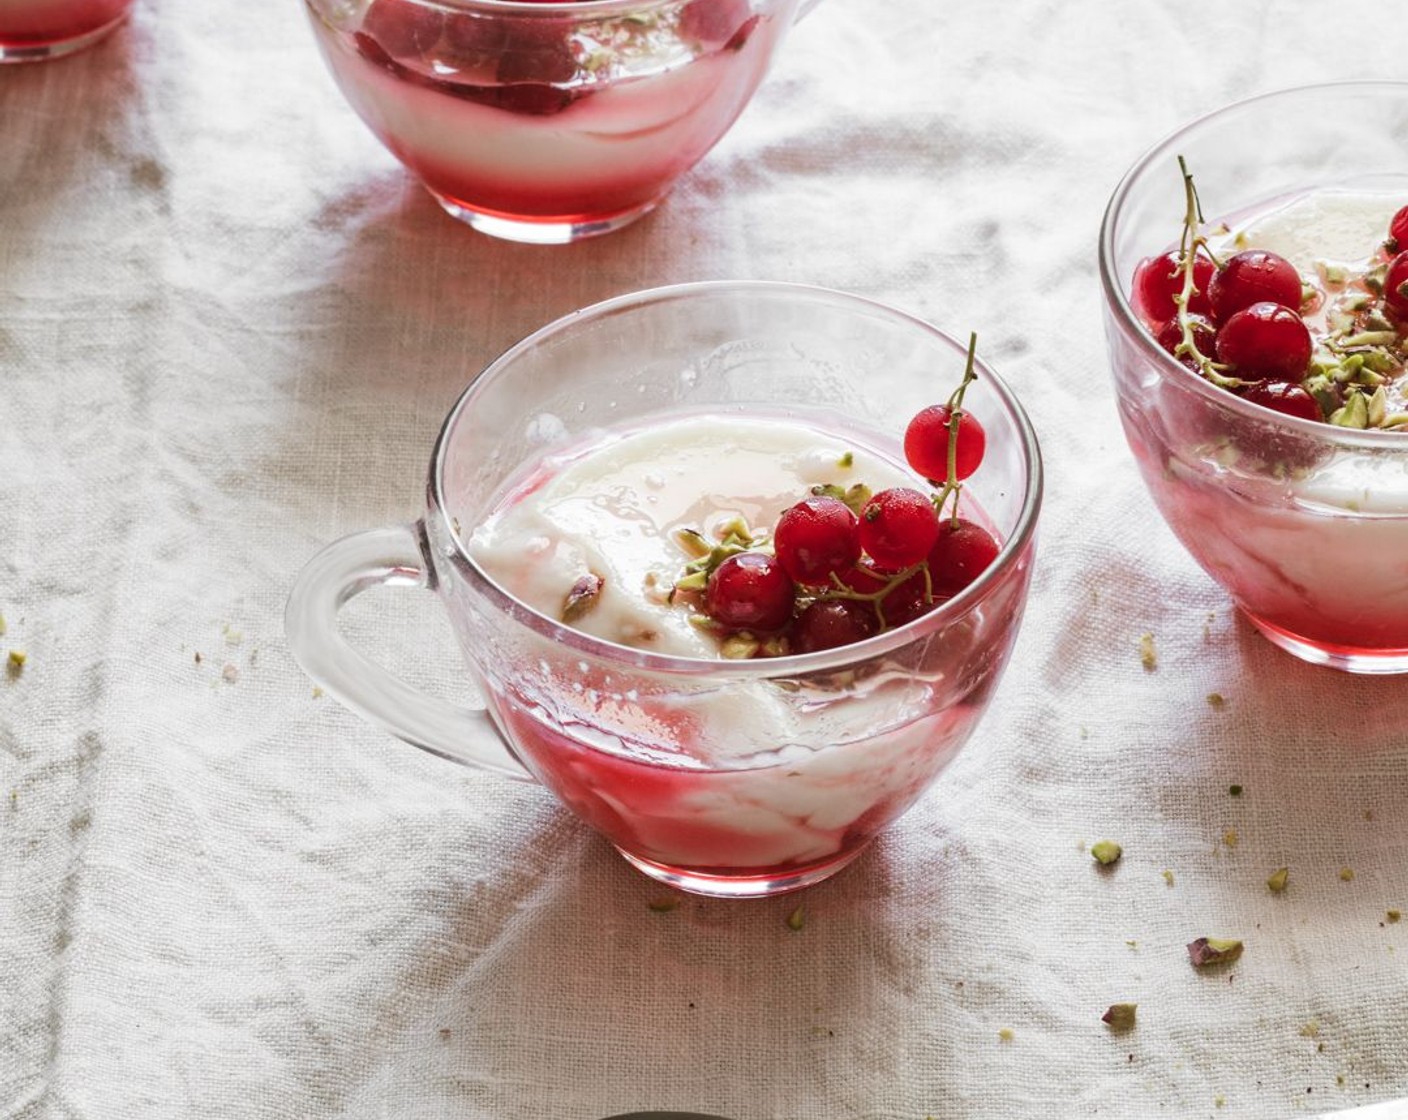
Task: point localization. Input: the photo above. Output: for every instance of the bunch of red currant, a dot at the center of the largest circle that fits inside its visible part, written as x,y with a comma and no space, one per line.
1238,322
847,565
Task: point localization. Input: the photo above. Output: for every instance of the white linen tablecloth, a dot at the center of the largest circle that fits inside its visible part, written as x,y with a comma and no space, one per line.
229,328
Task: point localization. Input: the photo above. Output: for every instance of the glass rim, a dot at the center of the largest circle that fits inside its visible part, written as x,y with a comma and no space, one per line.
577,8
1118,301
839,657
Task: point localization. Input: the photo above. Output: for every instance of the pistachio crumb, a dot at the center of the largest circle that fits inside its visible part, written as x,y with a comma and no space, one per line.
17,659
1106,852
1230,837
1217,701
664,904
2,625
1394,916
582,596
1120,1017
1310,1029
1219,1101
1347,874
1339,1080
1168,876
317,693
1234,791
1213,950
1148,657
846,460
1276,883
797,919
1006,1034
1132,944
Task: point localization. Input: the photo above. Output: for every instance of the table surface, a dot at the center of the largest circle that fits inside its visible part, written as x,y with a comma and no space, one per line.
229,328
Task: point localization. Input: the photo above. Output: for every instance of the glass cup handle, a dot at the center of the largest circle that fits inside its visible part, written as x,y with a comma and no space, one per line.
390,557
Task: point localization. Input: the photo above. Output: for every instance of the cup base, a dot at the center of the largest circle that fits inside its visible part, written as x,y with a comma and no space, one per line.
37,52
540,231
1347,659
742,884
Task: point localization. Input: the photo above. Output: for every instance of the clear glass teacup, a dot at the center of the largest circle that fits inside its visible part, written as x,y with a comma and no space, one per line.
722,777
31,30
549,122
1303,523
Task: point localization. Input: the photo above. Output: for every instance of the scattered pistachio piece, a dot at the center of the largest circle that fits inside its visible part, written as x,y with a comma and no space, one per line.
1230,837
1347,874
17,659
1394,916
1219,1101
1278,879
582,596
1234,791
846,460
1217,701
1120,1017
739,647
1148,656
797,919
317,693
1168,876
1106,852
1213,950
1006,1034
1310,1030
664,905
2,625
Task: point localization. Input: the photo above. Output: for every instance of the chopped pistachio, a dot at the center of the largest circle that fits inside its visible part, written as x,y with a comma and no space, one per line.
1120,1017
17,659
846,460
693,542
1230,837
2,625
582,596
1219,1101
1276,882
797,919
1213,950
664,905
695,581
1370,338
1310,1030
317,693
1132,944
1148,657
739,647
1006,1034
1394,916
1234,790
1218,701
1347,874
1354,413
1378,408
1168,876
1333,273
1106,852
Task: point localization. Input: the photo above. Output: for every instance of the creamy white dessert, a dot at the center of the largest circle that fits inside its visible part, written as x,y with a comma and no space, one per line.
615,510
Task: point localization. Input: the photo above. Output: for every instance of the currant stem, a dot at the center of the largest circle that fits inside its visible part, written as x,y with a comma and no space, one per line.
955,417
1189,245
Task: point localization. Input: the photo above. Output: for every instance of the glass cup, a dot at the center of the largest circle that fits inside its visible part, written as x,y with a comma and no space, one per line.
721,777
1304,524
31,30
549,122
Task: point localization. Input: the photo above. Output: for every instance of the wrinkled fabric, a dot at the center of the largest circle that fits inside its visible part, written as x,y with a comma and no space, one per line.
229,328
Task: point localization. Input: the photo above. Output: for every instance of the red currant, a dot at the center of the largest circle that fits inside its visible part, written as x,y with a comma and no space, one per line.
1284,397
816,537
750,591
1158,279
926,443
898,527
1170,335
828,623
1265,340
864,579
403,29
1253,276
1396,283
962,553
1398,231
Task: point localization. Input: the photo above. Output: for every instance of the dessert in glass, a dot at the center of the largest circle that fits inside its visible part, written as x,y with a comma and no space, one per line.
1258,330
549,122
609,504
31,30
